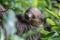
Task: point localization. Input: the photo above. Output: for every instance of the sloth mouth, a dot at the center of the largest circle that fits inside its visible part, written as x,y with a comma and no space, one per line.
35,23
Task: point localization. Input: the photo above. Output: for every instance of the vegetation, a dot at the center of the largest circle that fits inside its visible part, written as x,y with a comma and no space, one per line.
50,9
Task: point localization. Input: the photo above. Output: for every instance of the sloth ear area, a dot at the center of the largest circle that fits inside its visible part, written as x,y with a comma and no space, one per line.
20,16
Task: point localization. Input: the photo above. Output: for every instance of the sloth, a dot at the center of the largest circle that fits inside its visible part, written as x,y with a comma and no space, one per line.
30,21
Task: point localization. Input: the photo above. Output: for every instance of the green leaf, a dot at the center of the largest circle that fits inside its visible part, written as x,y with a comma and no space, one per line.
54,14
15,37
50,38
35,3
56,29
51,22
9,22
2,37
44,32
53,38
59,12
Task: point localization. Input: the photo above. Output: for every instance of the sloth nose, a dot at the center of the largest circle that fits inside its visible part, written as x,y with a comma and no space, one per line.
39,22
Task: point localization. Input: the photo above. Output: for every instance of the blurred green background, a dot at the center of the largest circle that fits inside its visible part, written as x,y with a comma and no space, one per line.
50,9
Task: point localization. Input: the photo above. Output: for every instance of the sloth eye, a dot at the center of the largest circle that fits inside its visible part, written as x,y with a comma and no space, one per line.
28,15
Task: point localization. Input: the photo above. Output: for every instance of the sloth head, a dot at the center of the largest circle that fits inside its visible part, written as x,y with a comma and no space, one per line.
34,16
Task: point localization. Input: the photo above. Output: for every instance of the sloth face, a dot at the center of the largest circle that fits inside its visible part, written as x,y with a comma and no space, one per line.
34,16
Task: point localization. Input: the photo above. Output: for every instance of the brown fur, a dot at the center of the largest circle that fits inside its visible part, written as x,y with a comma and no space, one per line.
36,18
29,23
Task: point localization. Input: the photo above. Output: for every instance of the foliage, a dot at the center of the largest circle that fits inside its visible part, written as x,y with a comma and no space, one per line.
50,9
